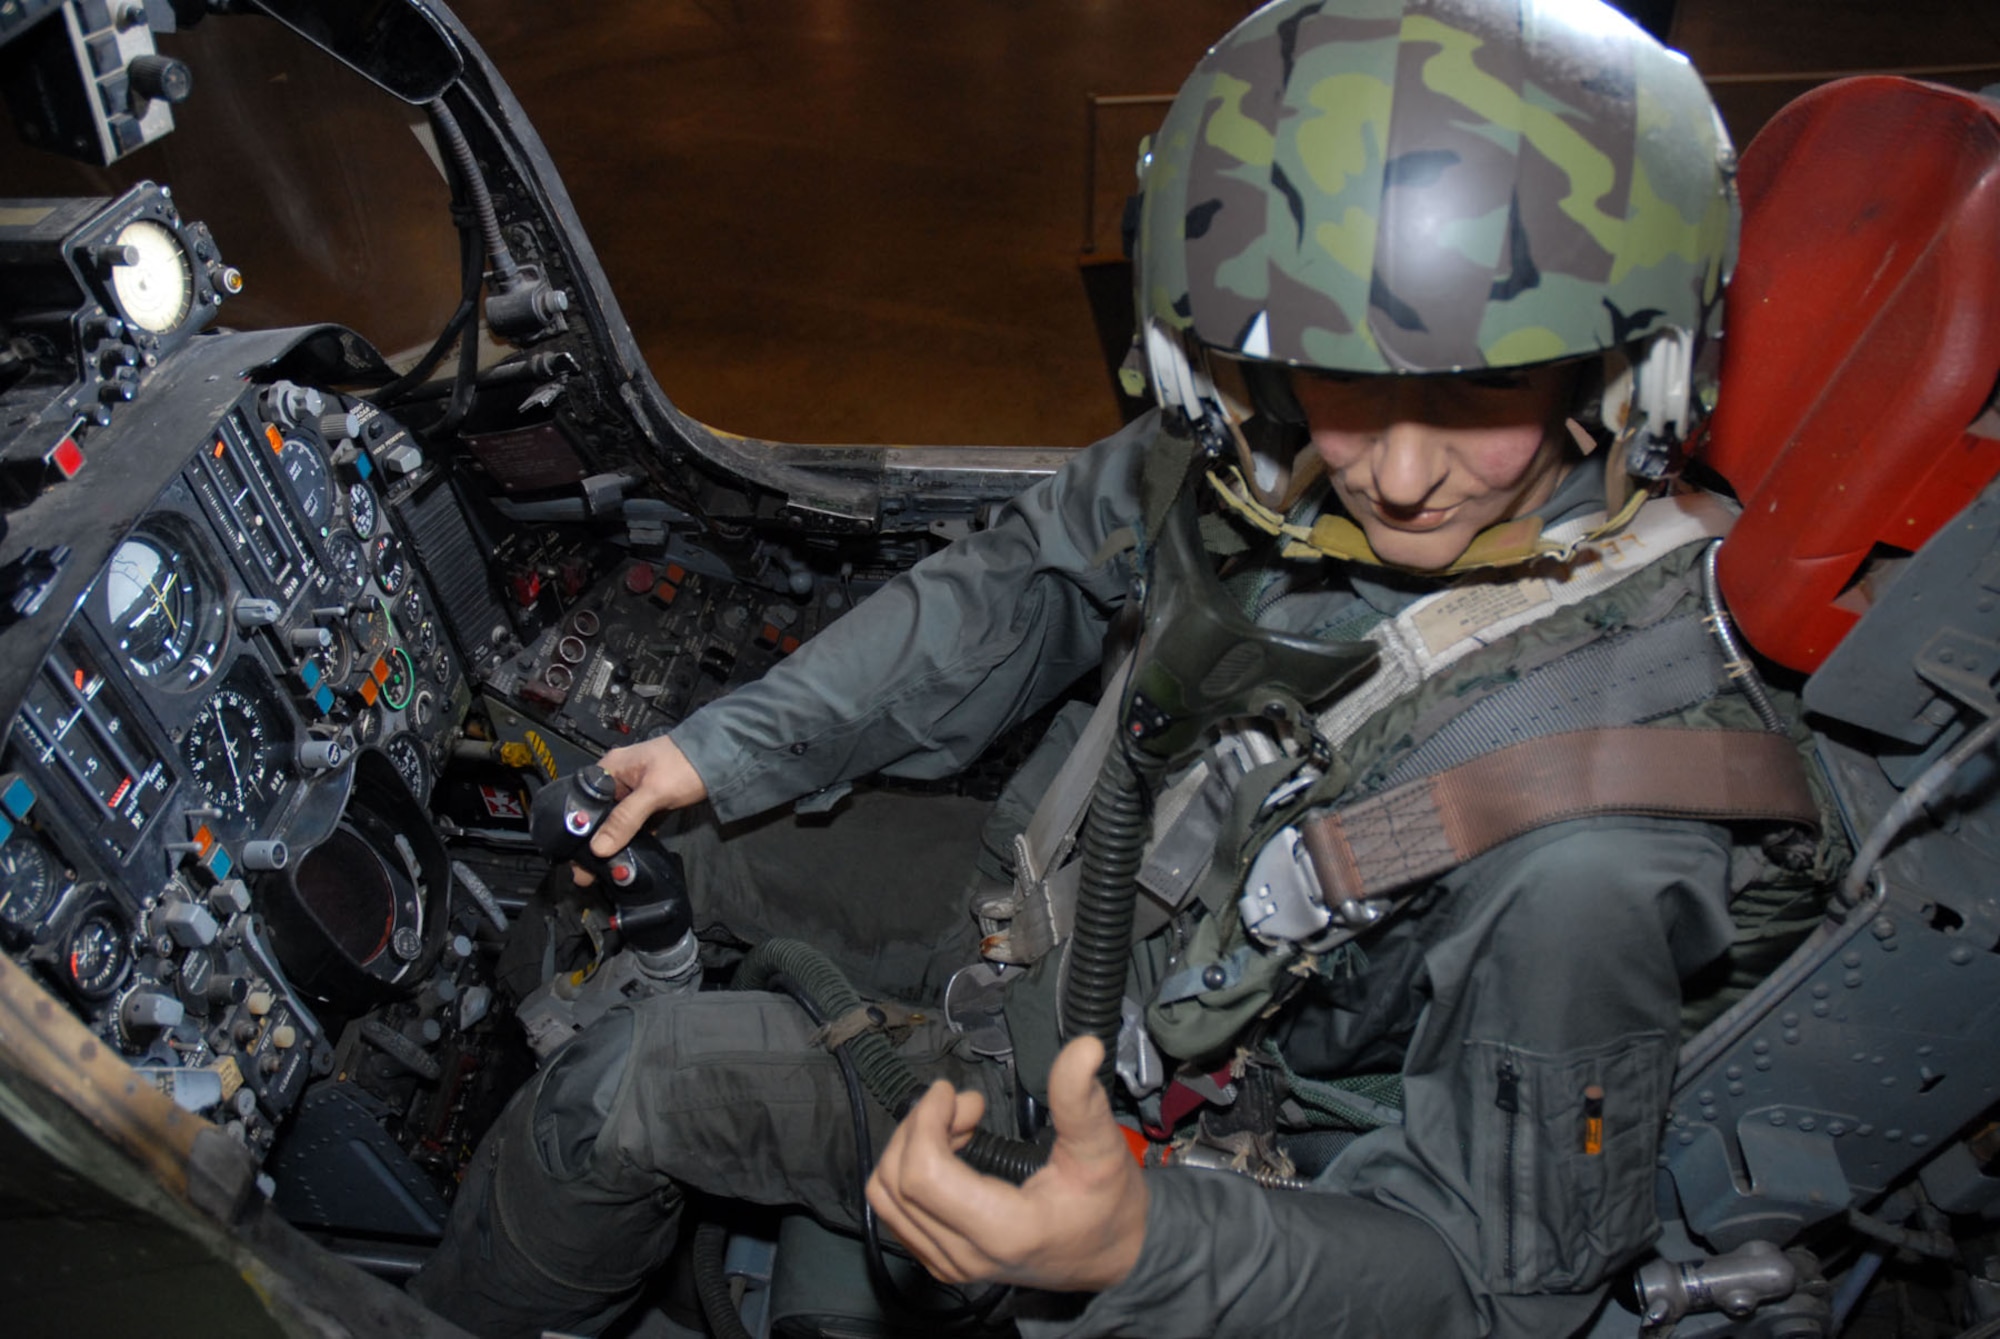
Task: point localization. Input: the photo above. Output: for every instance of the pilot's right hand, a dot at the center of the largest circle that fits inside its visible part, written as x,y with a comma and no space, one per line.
652,778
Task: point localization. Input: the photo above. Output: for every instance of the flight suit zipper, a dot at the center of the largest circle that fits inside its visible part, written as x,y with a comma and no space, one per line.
1507,1097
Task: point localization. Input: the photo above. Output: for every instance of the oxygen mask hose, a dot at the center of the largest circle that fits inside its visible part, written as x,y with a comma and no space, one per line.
1201,661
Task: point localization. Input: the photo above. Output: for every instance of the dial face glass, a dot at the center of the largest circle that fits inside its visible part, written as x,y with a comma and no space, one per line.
386,555
156,292
369,629
402,680
348,563
236,748
361,509
28,884
154,600
408,755
98,955
305,470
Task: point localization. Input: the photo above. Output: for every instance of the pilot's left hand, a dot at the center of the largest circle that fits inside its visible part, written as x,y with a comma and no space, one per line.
1074,1226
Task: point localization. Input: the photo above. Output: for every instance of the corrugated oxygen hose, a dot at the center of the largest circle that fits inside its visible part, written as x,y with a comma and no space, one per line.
887,1076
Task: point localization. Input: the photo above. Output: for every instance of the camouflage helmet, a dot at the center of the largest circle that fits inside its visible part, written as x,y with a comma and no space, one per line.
1426,186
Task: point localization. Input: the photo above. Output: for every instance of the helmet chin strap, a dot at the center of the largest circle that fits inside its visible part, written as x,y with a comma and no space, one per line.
1333,535
1645,406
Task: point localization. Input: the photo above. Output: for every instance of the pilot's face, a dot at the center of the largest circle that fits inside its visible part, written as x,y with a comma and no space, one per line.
1424,464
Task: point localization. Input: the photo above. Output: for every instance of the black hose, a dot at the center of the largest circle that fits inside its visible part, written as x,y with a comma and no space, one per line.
887,1076
475,190
1114,843
711,1285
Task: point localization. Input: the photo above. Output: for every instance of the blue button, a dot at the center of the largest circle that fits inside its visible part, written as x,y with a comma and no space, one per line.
363,466
323,699
6,829
218,863
309,674
17,797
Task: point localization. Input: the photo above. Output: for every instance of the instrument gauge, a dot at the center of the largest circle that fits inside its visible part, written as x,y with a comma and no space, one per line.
424,637
402,680
236,749
28,885
411,764
348,563
304,469
156,291
155,600
361,509
369,627
97,956
386,556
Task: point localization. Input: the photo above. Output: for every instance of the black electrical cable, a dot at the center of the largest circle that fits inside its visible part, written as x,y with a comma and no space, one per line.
471,275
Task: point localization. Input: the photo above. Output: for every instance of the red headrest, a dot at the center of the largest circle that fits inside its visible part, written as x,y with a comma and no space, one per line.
1862,338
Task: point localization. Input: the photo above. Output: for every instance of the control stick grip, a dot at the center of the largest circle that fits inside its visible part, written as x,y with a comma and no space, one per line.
646,882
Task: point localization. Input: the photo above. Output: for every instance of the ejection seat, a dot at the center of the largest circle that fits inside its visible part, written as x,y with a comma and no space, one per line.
1857,423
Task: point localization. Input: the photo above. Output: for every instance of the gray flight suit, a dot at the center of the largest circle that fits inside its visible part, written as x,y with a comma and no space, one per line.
1547,966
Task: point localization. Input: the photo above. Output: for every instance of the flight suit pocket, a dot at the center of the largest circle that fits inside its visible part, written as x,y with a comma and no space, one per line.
1563,1149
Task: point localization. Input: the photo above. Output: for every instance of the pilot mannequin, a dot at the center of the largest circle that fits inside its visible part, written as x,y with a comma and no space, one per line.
1425,288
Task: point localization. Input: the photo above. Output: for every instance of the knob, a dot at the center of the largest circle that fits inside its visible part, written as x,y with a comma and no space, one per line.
284,1036
473,1005
309,639
267,855
260,1002
161,77
114,356
288,403
224,988
147,1011
113,253
253,613
191,926
338,426
320,755
402,459
231,897
119,391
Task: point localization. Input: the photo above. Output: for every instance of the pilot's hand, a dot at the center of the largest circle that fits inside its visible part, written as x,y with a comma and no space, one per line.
652,778
1074,1226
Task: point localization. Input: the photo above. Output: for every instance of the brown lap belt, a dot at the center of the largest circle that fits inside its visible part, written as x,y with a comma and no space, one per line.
1423,828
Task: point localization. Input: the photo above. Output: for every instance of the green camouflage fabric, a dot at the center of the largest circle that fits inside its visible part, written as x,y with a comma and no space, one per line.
1436,185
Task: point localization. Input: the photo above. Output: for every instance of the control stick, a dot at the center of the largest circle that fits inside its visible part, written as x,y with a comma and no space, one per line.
648,888
645,880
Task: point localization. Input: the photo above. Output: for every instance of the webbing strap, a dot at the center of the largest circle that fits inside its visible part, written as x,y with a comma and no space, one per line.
1423,828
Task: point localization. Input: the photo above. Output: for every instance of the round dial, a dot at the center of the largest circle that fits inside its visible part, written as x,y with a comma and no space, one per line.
27,885
156,291
424,639
234,748
369,628
402,680
154,600
348,563
98,955
387,557
304,469
361,509
415,769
